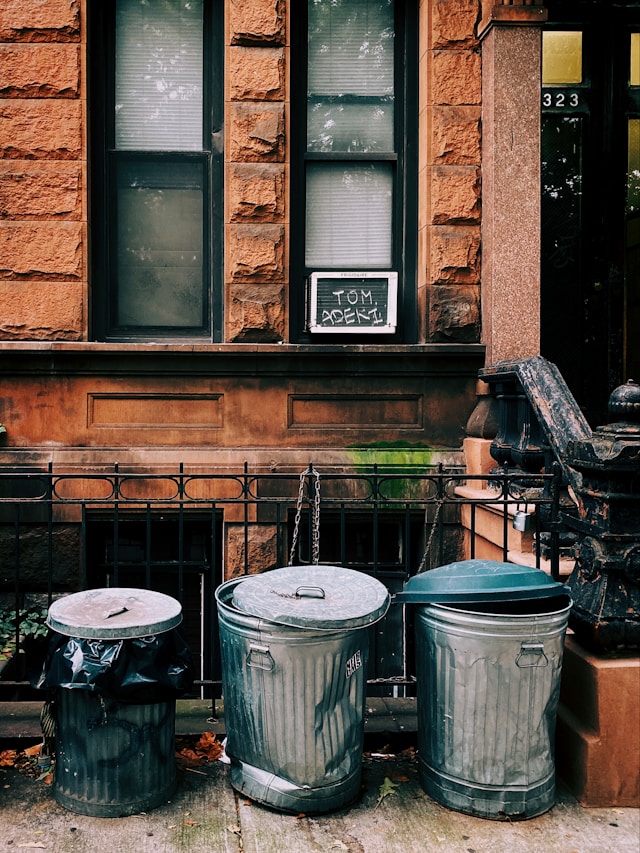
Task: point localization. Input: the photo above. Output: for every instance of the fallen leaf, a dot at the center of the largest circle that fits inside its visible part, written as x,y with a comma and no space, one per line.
234,829
190,753
190,823
386,789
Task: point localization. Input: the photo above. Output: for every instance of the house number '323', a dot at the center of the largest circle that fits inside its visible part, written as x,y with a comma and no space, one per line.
560,100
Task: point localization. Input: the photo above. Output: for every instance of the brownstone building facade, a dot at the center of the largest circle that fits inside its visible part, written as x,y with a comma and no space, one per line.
92,369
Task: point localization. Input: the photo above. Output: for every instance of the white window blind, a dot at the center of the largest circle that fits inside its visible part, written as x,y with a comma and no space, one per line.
350,78
350,110
349,210
159,67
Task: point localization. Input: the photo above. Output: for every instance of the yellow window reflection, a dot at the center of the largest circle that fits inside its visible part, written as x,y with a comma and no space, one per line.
634,76
561,57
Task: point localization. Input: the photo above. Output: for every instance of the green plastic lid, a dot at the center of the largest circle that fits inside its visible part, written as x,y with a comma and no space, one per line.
326,597
471,581
114,613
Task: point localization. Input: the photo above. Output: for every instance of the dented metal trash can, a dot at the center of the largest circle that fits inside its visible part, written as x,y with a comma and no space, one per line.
295,645
489,648
116,664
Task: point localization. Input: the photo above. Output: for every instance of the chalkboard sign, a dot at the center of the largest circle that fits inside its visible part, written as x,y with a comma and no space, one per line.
353,303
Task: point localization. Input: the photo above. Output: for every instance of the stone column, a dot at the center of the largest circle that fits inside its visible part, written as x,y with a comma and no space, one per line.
255,173
511,60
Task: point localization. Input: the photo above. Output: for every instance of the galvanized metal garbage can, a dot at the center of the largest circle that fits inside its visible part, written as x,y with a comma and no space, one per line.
295,646
113,758
489,648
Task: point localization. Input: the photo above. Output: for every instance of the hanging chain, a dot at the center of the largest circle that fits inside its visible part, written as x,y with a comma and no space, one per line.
315,545
434,524
315,516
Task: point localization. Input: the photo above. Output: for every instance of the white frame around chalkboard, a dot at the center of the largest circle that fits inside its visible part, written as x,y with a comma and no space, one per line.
350,314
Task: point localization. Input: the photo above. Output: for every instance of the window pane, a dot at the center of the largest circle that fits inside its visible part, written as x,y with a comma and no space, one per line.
634,77
159,255
633,171
159,75
350,127
561,57
350,75
349,209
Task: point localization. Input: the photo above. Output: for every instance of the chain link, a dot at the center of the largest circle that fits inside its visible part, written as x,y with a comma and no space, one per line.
434,524
315,516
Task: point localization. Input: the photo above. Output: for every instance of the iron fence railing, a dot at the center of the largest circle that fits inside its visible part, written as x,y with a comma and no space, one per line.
184,531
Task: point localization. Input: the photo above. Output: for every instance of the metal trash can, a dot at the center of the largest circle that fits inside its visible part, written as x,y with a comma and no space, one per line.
116,664
489,647
295,647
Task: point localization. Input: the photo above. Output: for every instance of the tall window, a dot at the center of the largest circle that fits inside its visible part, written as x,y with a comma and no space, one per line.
355,76
156,95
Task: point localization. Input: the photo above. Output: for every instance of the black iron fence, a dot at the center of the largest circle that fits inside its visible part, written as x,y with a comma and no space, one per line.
183,532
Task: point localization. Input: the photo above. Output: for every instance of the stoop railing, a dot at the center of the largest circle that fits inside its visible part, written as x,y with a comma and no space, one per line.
185,531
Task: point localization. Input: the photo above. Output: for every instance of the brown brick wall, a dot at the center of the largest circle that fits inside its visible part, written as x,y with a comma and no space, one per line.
450,208
256,268
43,236
43,186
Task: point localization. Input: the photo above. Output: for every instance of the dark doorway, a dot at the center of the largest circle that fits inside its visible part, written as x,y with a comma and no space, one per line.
590,272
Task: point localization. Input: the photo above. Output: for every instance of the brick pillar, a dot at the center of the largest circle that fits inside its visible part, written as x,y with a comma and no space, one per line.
511,59
255,172
43,275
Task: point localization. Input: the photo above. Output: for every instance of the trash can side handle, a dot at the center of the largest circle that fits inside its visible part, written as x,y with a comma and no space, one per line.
259,657
531,654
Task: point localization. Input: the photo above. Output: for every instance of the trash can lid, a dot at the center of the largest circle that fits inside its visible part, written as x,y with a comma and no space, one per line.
476,581
325,597
114,613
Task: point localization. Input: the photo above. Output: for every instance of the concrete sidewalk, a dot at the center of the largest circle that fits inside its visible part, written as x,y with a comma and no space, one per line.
206,816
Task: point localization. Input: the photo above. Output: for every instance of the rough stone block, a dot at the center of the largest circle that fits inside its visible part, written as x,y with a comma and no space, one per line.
40,20
262,550
39,70
257,22
256,313
455,138
37,310
257,132
40,129
256,252
454,313
455,195
40,189
453,24
256,74
455,254
41,250
455,77
256,192
64,550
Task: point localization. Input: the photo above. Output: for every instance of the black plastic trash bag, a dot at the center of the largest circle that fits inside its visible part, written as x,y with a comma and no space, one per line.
156,668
